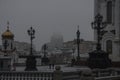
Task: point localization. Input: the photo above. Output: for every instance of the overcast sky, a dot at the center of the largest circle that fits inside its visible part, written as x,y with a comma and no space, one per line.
47,17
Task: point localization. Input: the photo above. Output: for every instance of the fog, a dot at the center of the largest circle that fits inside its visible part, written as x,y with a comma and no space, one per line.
47,17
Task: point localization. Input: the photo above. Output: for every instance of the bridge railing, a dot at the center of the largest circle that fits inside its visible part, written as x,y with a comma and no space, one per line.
105,72
26,75
58,74
117,77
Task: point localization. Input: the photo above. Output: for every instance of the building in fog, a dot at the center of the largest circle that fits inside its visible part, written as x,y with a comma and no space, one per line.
23,48
56,42
69,51
85,48
110,10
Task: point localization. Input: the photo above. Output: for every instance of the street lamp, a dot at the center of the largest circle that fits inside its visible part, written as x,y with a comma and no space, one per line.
78,43
99,58
44,49
31,33
31,60
98,25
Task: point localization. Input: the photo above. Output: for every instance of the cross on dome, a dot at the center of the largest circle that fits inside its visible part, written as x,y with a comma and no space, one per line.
8,25
8,33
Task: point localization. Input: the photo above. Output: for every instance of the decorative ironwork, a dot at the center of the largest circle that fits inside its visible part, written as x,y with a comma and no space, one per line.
103,32
113,32
31,33
99,58
98,25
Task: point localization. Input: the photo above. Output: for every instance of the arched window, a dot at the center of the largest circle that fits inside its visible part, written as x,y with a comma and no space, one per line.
109,46
109,12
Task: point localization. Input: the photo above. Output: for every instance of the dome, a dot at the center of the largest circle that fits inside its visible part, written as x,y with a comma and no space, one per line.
7,34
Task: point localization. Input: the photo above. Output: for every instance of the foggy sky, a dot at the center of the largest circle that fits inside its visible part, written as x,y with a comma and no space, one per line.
47,17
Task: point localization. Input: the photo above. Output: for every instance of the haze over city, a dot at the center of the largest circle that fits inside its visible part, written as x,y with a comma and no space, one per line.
47,17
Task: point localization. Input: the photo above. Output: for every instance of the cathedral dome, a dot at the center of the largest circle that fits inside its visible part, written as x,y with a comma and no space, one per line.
7,33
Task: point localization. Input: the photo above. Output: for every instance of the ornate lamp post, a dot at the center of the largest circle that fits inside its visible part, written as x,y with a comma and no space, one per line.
78,44
99,26
31,33
31,61
98,58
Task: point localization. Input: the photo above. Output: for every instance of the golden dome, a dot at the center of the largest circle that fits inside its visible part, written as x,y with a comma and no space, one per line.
7,33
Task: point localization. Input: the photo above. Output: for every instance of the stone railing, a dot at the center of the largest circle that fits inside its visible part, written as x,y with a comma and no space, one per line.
26,75
71,75
58,74
38,75
105,72
108,78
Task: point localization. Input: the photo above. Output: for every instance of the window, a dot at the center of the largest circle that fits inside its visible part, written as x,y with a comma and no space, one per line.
1,64
109,12
109,46
11,46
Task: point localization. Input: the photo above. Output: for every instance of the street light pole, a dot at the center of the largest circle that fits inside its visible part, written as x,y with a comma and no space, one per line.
31,59
98,25
44,48
78,43
99,58
31,33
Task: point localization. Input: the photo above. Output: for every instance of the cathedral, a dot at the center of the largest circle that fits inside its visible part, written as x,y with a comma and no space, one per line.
8,56
110,10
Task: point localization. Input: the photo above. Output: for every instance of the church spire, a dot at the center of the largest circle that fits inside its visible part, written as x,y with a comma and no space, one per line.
78,27
78,32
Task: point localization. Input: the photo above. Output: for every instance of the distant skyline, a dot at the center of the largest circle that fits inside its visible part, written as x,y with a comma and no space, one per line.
47,17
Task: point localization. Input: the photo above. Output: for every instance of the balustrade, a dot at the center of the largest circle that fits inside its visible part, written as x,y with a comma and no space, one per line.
26,75
58,74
